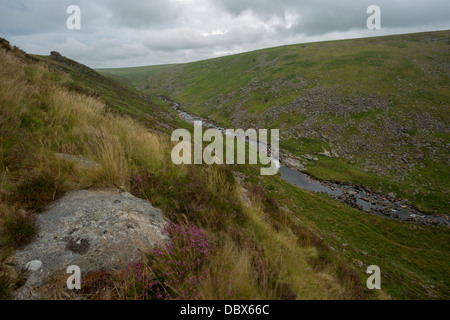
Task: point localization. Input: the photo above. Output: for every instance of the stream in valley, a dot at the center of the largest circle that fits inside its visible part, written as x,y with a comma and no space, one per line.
353,195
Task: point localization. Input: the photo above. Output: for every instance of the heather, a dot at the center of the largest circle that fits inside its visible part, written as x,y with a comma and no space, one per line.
174,272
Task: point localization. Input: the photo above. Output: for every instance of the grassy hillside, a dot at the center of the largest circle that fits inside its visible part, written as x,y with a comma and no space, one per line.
42,116
152,112
381,104
271,240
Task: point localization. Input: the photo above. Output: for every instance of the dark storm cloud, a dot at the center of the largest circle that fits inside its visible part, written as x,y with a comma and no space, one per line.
141,32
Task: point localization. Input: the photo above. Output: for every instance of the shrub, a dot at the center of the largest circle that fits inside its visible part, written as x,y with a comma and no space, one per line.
36,192
97,285
5,287
175,272
202,195
18,229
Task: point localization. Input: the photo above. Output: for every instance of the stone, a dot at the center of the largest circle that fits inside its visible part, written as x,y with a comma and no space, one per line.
392,195
293,163
56,54
326,153
95,230
334,154
34,265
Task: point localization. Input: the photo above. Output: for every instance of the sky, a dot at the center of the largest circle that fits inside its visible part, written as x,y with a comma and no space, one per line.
125,33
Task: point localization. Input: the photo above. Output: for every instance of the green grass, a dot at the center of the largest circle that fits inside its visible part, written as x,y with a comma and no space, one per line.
414,260
120,98
138,74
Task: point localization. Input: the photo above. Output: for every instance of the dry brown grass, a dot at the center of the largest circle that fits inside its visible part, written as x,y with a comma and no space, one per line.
255,257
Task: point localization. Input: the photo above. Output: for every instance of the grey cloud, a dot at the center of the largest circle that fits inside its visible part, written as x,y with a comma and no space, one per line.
318,17
259,7
141,14
29,17
191,38
120,33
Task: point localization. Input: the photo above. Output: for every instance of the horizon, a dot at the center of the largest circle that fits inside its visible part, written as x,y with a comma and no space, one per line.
262,49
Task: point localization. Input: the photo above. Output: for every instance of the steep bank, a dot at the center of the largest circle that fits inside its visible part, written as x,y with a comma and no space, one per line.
56,140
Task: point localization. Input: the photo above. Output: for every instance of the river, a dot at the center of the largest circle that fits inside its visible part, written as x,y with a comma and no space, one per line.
355,196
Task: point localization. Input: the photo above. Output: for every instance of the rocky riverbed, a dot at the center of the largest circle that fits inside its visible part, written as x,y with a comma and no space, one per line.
364,199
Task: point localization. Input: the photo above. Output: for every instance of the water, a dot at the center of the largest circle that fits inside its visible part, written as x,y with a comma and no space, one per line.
304,181
361,199
336,191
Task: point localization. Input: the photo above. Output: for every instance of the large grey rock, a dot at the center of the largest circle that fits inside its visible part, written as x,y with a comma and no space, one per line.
95,230
289,160
293,163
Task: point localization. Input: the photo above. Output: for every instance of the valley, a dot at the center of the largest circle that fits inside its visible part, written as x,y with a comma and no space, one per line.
373,111
355,196
362,121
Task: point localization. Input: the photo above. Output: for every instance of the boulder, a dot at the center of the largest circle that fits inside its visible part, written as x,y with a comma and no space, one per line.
294,163
94,230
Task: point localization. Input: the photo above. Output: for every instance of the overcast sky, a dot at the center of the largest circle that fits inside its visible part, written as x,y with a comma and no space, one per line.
121,33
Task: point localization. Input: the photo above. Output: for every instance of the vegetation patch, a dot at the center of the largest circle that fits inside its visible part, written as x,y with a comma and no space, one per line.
172,273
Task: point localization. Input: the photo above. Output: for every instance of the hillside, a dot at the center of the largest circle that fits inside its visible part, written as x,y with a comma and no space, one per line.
63,128
236,234
378,105
153,113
